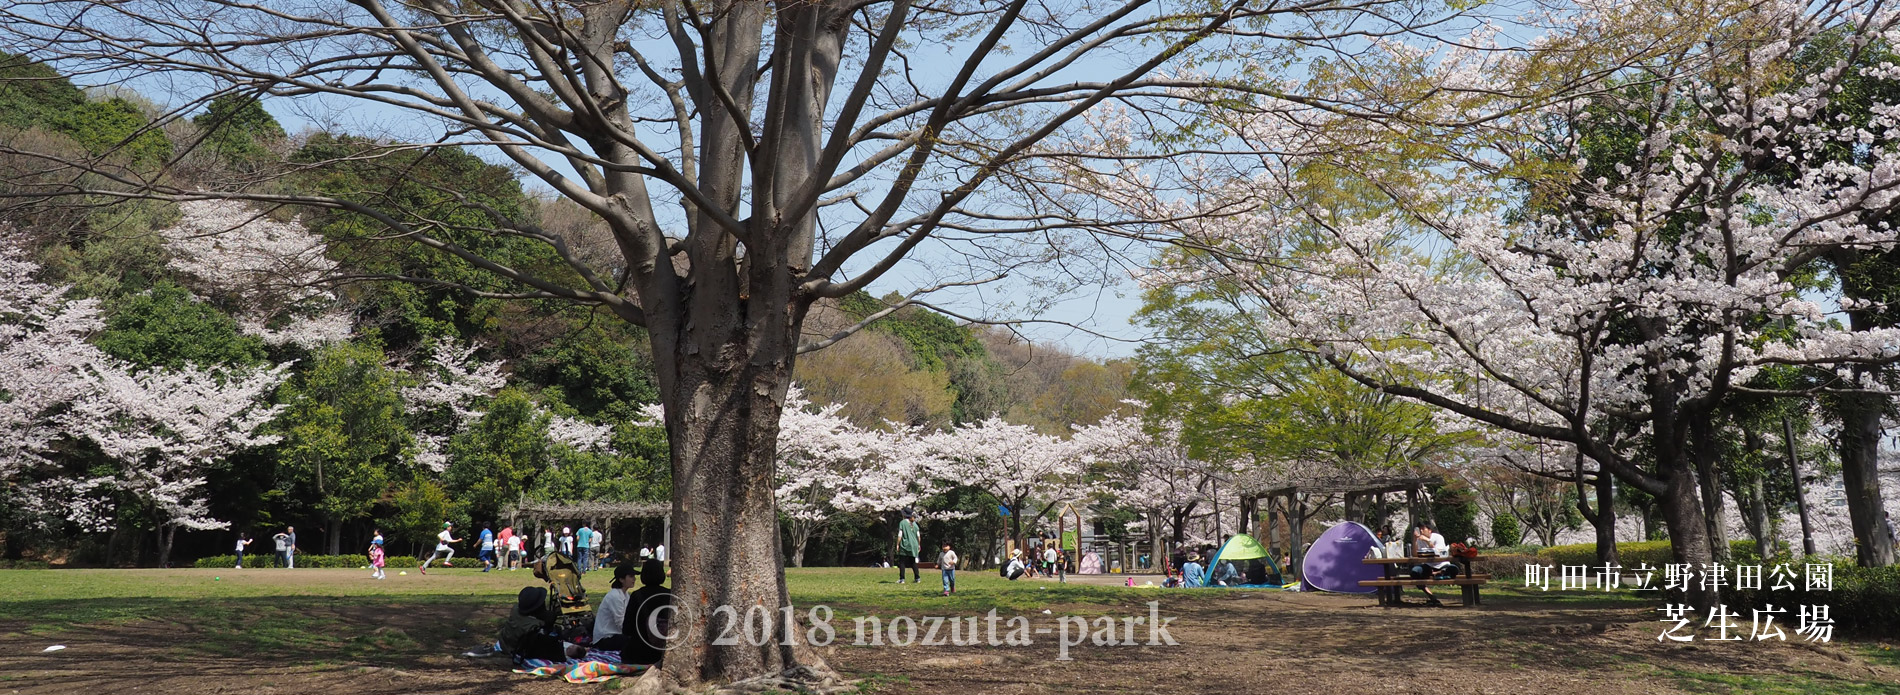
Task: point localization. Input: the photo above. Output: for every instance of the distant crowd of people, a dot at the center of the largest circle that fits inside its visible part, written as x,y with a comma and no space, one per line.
504,549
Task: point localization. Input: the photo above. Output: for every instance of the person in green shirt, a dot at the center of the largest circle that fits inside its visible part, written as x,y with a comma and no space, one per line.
908,548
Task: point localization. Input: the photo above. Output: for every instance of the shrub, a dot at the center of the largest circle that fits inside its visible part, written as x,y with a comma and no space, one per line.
24,565
1455,508
1504,566
1505,531
1656,553
1865,601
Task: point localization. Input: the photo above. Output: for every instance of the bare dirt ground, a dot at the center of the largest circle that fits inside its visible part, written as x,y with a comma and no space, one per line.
1233,641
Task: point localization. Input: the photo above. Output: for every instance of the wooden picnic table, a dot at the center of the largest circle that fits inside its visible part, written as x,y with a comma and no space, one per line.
1392,586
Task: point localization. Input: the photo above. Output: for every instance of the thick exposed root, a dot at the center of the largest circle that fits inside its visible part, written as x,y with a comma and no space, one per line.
816,677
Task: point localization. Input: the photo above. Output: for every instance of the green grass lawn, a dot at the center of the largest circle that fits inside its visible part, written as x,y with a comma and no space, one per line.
318,615
341,617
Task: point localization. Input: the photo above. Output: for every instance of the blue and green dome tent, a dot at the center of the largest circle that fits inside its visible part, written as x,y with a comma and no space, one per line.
1240,548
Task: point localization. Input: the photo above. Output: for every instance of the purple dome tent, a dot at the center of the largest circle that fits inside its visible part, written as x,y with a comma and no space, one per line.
1334,562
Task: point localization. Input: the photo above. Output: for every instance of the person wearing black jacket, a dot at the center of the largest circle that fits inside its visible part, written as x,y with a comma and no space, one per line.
528,633
649,617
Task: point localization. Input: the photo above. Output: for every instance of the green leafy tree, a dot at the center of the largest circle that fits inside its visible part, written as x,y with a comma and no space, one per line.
237,128
166,327
1455,507
448,192
1505,531
118,128
417,510
344,436
595,372
500,457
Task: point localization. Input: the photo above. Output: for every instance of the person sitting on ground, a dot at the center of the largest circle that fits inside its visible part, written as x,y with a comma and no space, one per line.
528,633
649,617
1192,574
613,605
1225,574
1429,544
1257,572
1015,569
609,635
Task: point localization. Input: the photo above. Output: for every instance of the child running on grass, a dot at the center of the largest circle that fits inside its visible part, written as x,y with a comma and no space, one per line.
376,558
948,563
442,549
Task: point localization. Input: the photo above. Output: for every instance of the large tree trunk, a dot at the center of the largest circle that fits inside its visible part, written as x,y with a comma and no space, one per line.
1859,449
166,532
801,535
723,430
333,537
1688,533
1605,523
1603,517
1800,488
1710,486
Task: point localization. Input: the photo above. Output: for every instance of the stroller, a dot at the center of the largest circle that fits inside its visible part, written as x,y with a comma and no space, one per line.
566,596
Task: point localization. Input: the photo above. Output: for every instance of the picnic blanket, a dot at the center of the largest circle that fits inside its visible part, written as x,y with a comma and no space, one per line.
581,672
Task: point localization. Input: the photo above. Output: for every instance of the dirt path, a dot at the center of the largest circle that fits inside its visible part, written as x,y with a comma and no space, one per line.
1230,642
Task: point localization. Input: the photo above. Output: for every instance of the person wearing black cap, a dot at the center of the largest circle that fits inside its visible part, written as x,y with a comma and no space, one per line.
909,546
613,608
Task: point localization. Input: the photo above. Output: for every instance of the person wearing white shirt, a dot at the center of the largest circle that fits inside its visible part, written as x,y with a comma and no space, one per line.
613,607
442,549
659,552
1015,568
1431,544
947,562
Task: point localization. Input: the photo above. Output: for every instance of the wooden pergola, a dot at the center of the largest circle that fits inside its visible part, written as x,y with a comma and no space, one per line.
596,513
1288,497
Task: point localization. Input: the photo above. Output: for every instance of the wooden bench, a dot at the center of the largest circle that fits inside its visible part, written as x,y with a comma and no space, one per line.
1391,587
1468,588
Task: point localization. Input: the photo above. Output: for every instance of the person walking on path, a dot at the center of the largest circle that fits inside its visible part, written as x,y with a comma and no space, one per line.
585,544
593,550
948,563
514,551
488,549
547,542
376,557
908,548
567,542
442,549
243,540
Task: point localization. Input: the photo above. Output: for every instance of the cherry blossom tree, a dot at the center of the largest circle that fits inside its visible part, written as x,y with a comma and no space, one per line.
749,159
1151,470
1639,285
451,385
167,429
1024,470
820,454
269,272
45,364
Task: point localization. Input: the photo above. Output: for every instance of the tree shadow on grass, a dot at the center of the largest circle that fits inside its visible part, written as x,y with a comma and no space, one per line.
367,642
